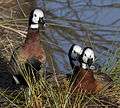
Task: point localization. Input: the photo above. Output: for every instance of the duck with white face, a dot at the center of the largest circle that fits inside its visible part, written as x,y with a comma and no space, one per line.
31,53
74,55
36,18
87,58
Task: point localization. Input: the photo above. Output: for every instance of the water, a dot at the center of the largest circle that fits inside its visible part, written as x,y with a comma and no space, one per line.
92,23
86,23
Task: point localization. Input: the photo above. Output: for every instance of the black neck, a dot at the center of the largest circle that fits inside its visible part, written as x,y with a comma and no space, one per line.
71,62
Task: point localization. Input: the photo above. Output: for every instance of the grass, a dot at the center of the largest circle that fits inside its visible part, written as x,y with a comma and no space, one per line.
55,91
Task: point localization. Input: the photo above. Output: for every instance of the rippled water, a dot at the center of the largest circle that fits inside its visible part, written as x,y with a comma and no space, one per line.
92,23
85,22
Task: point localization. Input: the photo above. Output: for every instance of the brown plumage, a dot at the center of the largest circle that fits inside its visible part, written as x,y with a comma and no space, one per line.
32,48
31,54
85,80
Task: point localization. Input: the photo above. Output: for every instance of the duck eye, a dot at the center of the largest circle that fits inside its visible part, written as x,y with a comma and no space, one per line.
85,54
35,15
74,52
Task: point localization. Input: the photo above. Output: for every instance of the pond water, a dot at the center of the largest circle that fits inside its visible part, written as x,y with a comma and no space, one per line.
94,23
85,22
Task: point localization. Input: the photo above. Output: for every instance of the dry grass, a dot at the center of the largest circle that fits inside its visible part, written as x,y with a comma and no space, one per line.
53,92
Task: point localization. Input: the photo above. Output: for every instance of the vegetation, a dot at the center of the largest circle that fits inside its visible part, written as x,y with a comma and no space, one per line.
55,91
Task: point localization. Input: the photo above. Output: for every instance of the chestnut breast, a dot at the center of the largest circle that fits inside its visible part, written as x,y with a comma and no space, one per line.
84,81
32,48
31,51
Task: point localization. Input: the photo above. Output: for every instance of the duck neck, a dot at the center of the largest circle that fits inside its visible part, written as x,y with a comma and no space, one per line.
34,26
87,75
71,62
84,75
32,36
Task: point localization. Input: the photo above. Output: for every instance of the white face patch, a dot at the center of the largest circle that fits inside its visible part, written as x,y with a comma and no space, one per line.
37,14
77,50
88,54
34,26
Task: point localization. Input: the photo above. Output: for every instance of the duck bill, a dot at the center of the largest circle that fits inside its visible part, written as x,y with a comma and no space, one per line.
42,22
89,62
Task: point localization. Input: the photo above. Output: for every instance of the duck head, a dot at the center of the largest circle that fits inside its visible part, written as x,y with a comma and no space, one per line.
74,53
87,57
36,19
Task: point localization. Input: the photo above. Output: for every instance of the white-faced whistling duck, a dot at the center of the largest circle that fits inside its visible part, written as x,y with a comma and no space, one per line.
84,79
74,54
31,54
